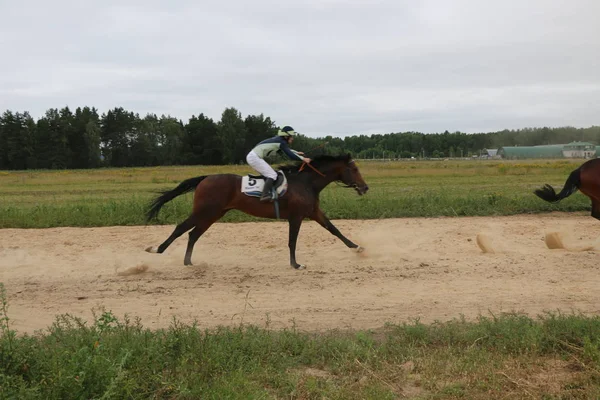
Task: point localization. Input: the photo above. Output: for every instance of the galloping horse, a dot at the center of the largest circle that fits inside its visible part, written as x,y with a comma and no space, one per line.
215,195
585,178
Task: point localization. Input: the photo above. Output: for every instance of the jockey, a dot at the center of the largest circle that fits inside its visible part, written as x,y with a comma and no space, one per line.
279,143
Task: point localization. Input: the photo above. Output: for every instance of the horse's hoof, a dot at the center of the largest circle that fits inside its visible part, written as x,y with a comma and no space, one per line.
299,266
151,250
359,249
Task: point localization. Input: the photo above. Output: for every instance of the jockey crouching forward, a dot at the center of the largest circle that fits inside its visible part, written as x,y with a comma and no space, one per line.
279,143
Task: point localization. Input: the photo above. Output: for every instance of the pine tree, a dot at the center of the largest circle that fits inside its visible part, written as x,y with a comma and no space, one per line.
232,133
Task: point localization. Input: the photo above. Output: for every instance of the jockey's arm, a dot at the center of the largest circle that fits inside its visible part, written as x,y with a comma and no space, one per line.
304,159
292,154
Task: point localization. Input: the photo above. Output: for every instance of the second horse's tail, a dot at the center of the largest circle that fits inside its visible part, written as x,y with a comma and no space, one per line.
548,194
186,186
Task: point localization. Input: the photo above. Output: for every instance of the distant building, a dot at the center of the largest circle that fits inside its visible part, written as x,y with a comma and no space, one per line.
570,150
487,154
522,152
579,150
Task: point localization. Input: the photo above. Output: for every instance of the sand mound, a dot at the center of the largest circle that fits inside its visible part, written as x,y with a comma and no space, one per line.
554,240
138,269
485,244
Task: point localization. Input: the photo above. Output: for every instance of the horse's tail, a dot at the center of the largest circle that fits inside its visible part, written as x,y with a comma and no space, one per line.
165,196
571,185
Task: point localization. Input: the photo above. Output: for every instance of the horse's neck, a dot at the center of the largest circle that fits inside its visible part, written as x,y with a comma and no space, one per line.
316,181
321,182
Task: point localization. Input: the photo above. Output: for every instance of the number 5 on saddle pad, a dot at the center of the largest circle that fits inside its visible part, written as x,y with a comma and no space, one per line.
252,185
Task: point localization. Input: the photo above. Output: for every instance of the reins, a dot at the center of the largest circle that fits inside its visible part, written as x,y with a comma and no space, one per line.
319,172
313,168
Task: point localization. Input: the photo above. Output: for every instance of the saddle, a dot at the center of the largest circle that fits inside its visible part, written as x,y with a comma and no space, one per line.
252,185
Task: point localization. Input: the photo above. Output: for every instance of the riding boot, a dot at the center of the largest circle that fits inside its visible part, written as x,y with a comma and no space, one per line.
266,194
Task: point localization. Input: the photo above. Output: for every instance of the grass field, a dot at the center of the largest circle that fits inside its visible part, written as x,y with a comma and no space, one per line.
104,197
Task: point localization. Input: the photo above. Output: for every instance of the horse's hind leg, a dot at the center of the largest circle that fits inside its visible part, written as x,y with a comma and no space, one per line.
201,227
179,230
595,208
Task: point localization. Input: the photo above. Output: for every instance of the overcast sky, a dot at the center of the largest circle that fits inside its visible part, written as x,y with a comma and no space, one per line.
323,66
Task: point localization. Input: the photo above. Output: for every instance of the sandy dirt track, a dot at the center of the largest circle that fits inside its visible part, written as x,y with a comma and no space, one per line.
427,268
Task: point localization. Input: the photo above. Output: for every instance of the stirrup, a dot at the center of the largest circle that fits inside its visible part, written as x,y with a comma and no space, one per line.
267,197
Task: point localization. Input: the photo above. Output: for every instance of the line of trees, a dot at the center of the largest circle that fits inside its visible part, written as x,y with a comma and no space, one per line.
63,139
459,144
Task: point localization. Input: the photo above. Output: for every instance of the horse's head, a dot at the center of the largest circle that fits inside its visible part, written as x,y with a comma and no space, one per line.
350,175
333,168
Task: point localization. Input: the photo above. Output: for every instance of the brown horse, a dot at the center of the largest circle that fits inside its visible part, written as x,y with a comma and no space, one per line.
585,178
215,195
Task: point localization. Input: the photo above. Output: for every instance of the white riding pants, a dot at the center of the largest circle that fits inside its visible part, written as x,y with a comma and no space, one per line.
260,165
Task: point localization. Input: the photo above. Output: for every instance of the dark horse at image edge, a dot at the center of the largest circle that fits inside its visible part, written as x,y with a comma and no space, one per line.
215,195
585,178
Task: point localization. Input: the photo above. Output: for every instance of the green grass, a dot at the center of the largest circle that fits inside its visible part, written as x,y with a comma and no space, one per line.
506,356
39,199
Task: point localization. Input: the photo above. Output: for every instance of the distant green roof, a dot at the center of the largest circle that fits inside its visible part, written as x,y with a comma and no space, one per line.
546,151
579,145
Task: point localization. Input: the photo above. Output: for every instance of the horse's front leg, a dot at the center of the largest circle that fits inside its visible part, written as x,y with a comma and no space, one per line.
320,217
294,223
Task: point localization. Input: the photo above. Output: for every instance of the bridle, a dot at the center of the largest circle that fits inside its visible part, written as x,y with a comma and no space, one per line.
352,186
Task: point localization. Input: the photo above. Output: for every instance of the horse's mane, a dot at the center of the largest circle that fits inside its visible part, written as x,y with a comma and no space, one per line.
317,162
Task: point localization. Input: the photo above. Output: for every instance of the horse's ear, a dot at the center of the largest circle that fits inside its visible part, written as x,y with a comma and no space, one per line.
348,157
